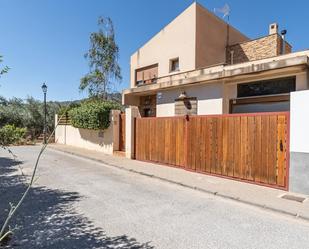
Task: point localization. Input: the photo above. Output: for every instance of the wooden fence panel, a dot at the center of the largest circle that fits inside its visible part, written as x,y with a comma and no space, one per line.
251,147
237,147
282,152
160,140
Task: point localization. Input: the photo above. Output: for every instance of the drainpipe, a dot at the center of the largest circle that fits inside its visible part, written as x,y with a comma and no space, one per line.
227,39
232,57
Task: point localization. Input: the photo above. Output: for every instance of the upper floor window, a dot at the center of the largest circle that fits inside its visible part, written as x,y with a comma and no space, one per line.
146,75
174,65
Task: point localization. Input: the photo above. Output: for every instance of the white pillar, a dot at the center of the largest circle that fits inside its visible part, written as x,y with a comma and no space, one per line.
56,128
116,128
299,121
299,145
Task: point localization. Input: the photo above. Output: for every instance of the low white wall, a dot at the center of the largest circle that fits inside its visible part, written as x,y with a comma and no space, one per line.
88,139
299,132
209,99
166,109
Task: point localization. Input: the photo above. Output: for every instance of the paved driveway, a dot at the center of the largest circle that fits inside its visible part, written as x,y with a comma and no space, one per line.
77,203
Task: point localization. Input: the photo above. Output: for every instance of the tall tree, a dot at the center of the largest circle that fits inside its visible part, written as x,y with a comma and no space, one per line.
103,61
4,69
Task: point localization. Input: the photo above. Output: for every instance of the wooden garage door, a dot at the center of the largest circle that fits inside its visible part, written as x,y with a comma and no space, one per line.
251,147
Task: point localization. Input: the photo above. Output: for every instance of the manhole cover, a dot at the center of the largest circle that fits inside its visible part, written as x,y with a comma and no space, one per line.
294,198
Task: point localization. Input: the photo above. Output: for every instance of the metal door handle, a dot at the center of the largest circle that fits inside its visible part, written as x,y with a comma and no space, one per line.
281,145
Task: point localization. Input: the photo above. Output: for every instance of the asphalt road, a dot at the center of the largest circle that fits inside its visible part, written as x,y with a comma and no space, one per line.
78,203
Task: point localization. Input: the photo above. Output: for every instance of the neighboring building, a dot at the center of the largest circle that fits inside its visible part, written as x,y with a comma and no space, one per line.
218,70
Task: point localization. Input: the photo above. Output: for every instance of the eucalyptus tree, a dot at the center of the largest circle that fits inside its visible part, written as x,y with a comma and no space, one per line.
103,54
4,69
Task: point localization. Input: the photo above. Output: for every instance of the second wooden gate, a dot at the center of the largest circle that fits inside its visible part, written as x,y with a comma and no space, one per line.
122,132
251,147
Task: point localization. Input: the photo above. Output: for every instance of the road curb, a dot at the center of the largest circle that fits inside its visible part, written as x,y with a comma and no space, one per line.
224,196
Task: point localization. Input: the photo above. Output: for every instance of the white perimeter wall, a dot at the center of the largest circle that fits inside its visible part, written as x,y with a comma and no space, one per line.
209,100
86,139
299,132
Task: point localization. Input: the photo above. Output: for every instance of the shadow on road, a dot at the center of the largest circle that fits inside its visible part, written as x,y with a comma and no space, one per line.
47,220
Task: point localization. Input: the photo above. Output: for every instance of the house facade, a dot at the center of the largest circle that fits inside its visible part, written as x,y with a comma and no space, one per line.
200,65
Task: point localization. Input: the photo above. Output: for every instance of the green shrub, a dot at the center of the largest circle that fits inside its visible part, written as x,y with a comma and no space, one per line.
9,134
93,115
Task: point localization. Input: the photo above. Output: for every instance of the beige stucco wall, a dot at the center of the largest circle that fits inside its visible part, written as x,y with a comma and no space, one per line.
302,81
211,38
209,99
87,139
230,92
177,39
197,37
116,128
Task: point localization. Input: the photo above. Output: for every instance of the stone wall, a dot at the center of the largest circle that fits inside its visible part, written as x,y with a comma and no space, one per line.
262,48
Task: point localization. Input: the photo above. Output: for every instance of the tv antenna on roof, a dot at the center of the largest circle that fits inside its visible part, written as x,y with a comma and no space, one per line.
225,10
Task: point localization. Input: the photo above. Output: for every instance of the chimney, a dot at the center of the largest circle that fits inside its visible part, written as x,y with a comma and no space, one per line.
273,28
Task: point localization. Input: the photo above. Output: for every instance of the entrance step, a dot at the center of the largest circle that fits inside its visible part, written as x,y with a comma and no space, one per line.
119,153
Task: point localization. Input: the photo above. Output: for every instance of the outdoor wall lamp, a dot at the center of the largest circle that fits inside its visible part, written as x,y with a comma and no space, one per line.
182,96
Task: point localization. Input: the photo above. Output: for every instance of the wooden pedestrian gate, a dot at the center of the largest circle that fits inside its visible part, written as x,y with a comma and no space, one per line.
122,132
250,147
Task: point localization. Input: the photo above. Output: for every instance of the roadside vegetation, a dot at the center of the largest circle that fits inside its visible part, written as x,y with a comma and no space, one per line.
104,73
104,70
93,114
28,114
9,134
23,120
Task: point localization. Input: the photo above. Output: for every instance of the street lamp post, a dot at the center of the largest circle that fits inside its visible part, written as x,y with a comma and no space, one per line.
44,89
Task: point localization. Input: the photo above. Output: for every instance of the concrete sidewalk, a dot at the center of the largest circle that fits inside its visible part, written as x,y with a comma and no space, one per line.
251,194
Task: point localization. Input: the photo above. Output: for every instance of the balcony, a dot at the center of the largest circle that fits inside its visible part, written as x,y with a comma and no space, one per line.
145,82
146,75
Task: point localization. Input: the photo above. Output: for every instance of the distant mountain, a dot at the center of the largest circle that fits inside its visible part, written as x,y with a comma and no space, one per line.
110,96
18,101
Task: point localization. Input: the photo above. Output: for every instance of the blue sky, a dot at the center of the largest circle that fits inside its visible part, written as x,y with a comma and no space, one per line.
45,40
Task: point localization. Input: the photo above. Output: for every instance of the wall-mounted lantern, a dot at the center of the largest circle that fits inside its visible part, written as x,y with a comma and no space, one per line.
182,96
185,105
